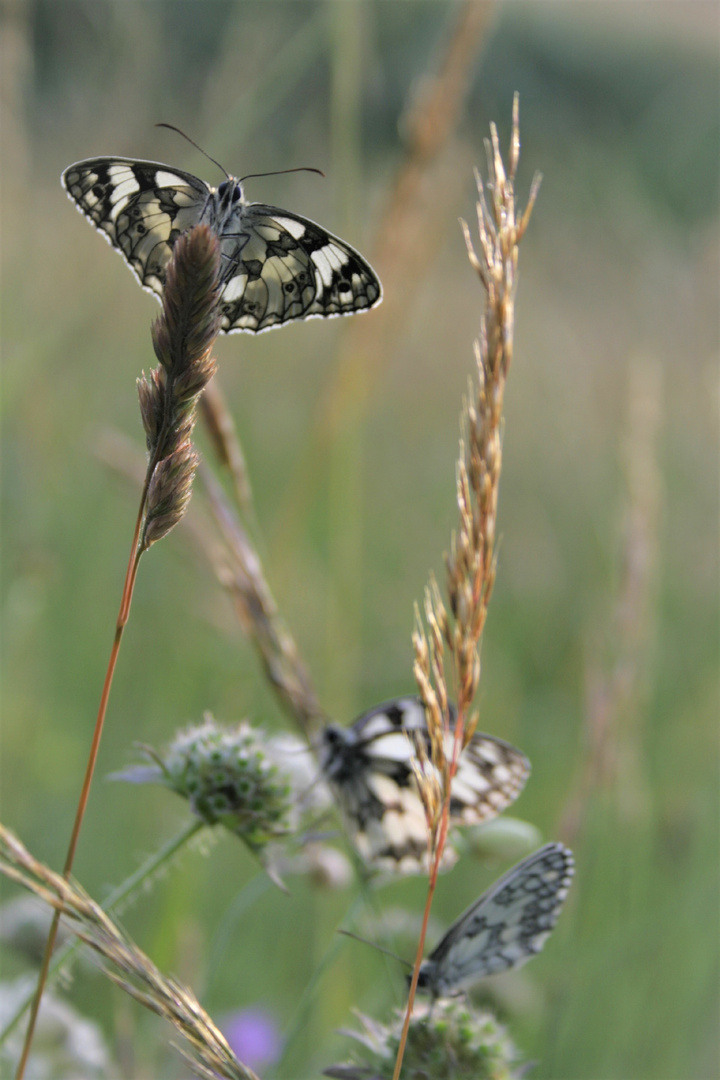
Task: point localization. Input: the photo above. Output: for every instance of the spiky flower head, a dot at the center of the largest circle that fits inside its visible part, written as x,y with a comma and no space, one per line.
452,1040
228,776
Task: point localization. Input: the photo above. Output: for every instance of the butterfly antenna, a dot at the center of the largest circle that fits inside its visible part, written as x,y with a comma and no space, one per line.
171,127
278,172
373,945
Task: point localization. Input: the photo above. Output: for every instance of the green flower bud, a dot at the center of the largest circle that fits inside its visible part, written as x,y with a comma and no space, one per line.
227,776
449,1040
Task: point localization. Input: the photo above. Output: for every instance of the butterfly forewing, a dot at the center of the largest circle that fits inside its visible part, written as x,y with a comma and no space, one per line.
276,266
369,766
141,207
505,927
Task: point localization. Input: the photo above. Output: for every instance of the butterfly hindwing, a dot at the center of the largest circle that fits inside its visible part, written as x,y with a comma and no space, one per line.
276,265
505,927
287,267
369,766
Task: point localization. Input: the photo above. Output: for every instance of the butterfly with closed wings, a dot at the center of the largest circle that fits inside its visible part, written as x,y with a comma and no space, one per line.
276,265
369,767
508,924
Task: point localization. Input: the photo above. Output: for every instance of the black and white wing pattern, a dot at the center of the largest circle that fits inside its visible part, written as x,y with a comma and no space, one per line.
369,767
276,266
508,924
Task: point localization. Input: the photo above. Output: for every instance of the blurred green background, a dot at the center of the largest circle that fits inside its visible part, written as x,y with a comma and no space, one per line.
601,652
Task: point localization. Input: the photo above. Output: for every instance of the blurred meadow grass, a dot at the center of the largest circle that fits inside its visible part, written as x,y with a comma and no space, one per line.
601,651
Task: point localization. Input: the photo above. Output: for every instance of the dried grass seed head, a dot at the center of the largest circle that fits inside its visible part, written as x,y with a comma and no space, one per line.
427,778
209,1053
169,493
190,319
183,335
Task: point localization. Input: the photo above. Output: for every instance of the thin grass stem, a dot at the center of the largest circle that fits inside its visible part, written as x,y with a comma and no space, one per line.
130,578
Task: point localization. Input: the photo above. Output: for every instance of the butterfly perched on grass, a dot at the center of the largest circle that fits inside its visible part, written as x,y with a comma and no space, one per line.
276,265
369,767
505,927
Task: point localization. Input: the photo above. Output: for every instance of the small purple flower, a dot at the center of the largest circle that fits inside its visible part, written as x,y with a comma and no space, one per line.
254,1036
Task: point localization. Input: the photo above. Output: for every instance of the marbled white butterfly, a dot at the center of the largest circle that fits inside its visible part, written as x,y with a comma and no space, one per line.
505,927
368,765
277,266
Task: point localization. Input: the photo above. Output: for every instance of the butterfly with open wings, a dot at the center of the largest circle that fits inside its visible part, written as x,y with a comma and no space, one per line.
508,924
369,767
276,265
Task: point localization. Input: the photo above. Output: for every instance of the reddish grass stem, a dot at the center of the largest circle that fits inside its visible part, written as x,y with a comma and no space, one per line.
183,336
437,853
129,585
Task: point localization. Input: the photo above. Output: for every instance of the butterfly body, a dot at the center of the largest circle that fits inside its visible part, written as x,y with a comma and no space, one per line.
276,266
503,928
369,766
